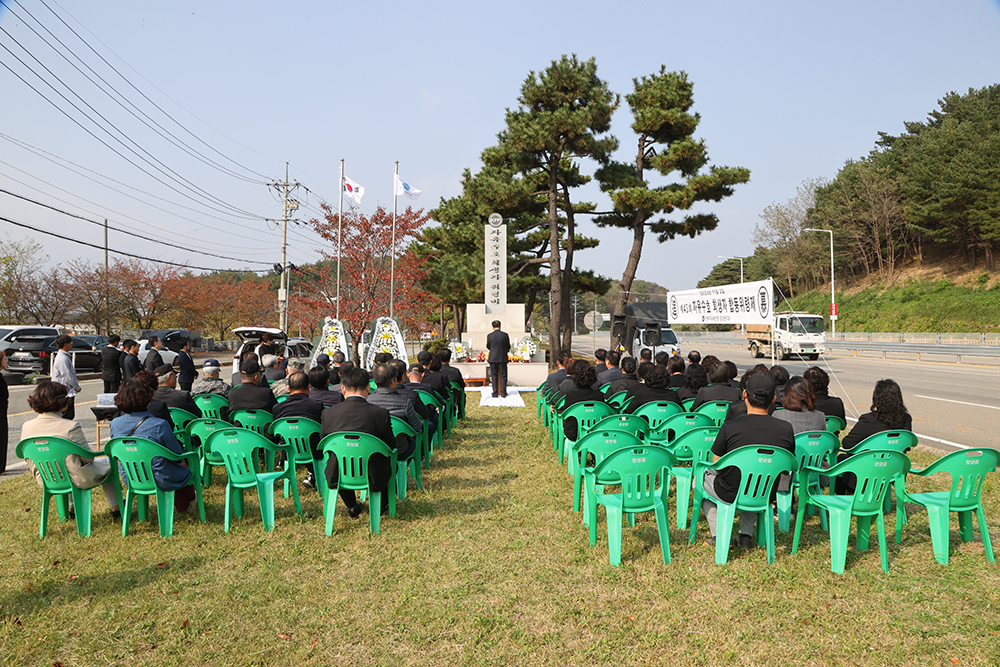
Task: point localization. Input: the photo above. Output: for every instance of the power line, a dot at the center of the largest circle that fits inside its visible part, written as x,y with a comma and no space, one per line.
211,199
117,252
51,157
148,226
124,231
112,93
124,78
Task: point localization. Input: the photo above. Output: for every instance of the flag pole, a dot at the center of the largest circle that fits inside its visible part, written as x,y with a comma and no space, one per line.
340,232
392,261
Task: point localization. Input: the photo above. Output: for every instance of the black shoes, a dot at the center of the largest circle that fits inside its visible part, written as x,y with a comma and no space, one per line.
116,515
309,481
503,395
746,542
356,511
496,396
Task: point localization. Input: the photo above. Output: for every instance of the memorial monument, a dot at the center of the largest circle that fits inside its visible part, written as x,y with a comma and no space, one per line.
479,316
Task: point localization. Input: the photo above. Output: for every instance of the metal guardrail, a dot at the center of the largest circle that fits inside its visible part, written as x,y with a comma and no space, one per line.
957,344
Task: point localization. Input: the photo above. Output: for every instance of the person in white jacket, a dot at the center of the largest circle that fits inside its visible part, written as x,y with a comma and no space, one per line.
64,373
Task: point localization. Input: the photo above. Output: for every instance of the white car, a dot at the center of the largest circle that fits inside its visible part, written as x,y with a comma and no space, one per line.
168,356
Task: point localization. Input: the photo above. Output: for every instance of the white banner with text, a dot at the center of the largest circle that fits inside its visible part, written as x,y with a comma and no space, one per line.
742,303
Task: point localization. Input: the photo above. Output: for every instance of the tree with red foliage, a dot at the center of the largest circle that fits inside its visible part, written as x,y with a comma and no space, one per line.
364,279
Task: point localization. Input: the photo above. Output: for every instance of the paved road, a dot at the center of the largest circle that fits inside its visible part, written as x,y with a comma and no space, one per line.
953,405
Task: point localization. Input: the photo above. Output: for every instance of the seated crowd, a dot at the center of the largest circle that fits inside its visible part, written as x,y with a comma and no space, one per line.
766,406
336,396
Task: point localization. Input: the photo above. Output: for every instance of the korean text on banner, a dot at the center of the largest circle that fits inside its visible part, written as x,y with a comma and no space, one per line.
744,303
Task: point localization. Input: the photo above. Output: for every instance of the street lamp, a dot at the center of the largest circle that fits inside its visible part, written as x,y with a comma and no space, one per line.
741,265
833,300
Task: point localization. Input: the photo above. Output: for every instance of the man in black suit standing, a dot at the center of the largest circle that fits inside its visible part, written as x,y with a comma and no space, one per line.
498,343
153,358
357,415
187,374
130,360
111,369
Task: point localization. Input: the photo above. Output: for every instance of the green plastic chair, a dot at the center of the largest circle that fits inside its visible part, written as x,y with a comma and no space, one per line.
135,456
554,421
677,425
715,409
598,443
180,418
49,456
968,469
657,412
212,406
687,403
604,388
238,449
616,400
835,424
258,421
297,432
875,469
586,414
630,423
400,427
540,400
282,398
430,399
897,441
760,466
459,393
691,446
198,432
636,469
352,451
812,449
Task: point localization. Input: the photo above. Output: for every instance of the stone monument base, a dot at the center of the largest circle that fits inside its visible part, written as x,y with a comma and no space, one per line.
519,374
478,323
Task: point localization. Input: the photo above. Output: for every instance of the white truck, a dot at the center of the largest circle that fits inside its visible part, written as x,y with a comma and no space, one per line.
796,334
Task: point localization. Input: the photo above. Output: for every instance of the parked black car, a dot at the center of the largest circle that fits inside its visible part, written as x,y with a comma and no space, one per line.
96,342
33,354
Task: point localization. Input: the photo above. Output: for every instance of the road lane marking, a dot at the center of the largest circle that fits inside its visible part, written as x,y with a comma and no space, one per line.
31,412
948,400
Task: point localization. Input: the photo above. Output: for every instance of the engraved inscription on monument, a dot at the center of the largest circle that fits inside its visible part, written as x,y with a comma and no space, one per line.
496,265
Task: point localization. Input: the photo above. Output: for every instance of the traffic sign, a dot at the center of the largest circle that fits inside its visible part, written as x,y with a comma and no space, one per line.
593,320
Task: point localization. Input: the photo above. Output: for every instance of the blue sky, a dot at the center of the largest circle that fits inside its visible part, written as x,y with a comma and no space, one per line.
790,90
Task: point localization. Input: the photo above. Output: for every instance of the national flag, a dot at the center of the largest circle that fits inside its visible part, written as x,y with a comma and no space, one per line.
404,188
353,190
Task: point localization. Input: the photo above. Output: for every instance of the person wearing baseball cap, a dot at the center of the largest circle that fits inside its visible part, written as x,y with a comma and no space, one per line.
294,365
168,392
209,382
250,395
754,428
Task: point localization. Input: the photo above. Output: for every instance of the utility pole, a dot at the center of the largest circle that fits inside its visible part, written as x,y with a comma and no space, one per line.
288,205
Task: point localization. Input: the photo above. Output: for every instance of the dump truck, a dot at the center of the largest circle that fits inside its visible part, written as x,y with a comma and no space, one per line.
796,334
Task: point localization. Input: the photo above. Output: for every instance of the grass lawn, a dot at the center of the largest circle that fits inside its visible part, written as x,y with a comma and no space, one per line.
487,565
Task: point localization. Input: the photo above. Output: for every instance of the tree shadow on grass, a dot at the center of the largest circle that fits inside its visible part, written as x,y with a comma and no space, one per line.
63,587
415,508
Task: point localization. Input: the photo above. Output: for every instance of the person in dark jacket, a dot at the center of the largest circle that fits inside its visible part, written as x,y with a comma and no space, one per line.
319,381
676,366
584,378
555,378
825,403
172,397
719,390
628,377
398,405
299,403
153,357
249,395
498,343
357,415
888,413
655,389
111,368
188,373
130,360
613,371
695,379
